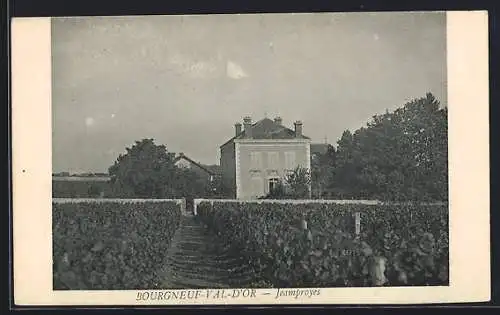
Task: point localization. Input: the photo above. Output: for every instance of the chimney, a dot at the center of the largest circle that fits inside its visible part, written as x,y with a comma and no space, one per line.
247,124
237,129
298,129
278,120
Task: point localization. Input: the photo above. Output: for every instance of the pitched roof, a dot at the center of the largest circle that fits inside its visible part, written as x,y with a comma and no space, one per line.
215,169
320,148
204,168
268,129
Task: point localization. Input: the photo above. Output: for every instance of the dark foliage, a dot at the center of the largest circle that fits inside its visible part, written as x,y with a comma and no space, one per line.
111,245
315,245
400,155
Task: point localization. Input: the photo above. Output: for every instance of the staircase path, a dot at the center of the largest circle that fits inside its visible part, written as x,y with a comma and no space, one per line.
197,260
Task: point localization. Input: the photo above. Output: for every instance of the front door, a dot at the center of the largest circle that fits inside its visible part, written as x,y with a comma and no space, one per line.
272,184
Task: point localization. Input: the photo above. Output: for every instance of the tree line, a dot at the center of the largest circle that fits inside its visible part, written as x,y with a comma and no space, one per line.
399,155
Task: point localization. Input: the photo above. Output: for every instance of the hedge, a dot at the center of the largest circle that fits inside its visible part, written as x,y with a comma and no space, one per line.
315,244
111,245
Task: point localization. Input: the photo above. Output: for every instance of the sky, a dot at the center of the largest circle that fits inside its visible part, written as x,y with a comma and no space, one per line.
186,80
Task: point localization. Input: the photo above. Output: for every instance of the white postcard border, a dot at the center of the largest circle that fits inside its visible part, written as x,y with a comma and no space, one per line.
468,100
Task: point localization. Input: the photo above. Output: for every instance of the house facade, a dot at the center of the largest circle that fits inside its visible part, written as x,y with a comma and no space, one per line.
257,157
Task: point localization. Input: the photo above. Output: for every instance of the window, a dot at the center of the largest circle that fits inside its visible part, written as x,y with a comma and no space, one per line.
272,160
255,160
273,184
290,160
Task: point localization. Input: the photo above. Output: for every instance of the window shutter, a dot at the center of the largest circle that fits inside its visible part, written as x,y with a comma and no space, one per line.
290,160
273,160
255,160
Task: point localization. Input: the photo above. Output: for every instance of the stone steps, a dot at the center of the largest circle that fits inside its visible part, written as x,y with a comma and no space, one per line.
196,260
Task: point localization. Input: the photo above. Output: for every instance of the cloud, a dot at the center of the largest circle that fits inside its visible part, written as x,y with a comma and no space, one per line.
89,121
193,68
202,69
235,71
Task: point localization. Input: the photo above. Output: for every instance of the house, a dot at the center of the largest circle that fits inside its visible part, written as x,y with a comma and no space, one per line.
257,157
183,161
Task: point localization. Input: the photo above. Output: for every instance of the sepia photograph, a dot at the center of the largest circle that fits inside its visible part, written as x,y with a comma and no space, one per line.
252,159
265,150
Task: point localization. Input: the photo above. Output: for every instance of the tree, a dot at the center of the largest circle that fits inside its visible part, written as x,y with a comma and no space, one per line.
145,171
322,171
398,156
299,182
341,181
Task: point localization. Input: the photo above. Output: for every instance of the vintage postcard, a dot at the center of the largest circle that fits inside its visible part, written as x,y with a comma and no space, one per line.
312,158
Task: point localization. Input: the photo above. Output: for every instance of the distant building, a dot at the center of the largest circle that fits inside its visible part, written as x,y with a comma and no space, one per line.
211,171
257,157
